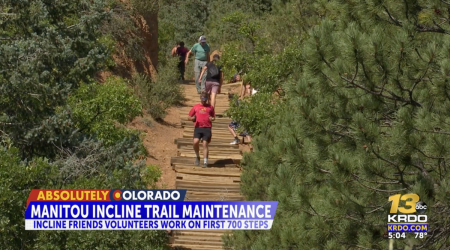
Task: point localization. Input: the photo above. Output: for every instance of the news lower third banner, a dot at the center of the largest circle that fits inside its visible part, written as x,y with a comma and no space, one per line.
141,210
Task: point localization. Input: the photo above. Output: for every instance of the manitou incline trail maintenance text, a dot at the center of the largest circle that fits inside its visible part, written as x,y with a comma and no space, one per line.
152,211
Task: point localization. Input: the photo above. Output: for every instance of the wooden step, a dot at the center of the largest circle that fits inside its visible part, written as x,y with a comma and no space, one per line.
209,178
207,232
197,242
224,147
212,148
221,136
191,102
217,167
195,247
223,129
215,125
210,172
211,162
208,194
207,187
215,142
199,238
185,111
205,184
184,118
215,131
212,156
222,96
218,196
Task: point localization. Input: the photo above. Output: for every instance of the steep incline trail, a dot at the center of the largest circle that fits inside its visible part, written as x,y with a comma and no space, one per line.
219,182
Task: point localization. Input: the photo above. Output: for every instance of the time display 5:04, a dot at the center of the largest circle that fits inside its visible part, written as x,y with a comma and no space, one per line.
397,235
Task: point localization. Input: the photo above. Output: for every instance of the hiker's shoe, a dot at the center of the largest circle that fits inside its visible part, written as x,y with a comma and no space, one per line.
197,161
235,142
205,165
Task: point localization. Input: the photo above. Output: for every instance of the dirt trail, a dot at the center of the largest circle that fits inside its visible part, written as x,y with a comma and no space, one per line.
220,181
159,142
169,144
160,136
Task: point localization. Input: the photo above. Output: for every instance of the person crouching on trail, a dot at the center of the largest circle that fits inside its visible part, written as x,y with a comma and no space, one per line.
214,78
202,114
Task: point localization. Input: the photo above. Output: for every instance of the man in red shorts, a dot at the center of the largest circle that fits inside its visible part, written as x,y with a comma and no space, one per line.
202,114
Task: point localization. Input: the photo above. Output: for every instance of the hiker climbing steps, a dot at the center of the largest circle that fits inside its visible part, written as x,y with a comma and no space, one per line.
220,181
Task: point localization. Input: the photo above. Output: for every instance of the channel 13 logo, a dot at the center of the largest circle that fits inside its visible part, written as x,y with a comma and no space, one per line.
412,205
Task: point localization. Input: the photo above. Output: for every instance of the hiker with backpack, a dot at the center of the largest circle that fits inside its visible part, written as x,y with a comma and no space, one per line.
214,79
201,51
203,115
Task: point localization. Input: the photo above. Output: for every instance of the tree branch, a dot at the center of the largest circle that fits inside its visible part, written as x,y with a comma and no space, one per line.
433,132
381,190
394,97
396,22
377,182
378,208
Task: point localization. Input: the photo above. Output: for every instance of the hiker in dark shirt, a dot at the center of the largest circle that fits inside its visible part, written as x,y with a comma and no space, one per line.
181,52
214,79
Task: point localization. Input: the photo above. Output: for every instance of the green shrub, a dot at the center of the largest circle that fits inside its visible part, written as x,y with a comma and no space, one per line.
156,96
98,108
150,175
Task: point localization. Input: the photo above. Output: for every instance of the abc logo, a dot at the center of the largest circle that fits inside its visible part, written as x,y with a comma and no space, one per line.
421,207
410,206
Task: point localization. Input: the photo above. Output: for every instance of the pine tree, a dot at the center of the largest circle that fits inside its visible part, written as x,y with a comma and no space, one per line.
48,48
368,118
55,134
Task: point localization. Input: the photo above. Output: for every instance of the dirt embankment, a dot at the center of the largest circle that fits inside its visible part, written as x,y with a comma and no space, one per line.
125,66
159,142
158,137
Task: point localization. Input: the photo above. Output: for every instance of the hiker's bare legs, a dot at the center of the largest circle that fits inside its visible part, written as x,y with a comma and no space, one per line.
232,131
213,100
205,149
248,90
196,146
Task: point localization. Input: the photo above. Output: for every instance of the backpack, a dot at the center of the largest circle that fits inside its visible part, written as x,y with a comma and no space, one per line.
213,70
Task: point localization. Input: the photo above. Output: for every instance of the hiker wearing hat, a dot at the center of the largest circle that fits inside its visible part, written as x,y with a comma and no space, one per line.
214,78
201,51
203,115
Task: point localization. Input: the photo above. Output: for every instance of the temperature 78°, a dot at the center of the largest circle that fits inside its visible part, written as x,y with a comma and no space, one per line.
420,235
